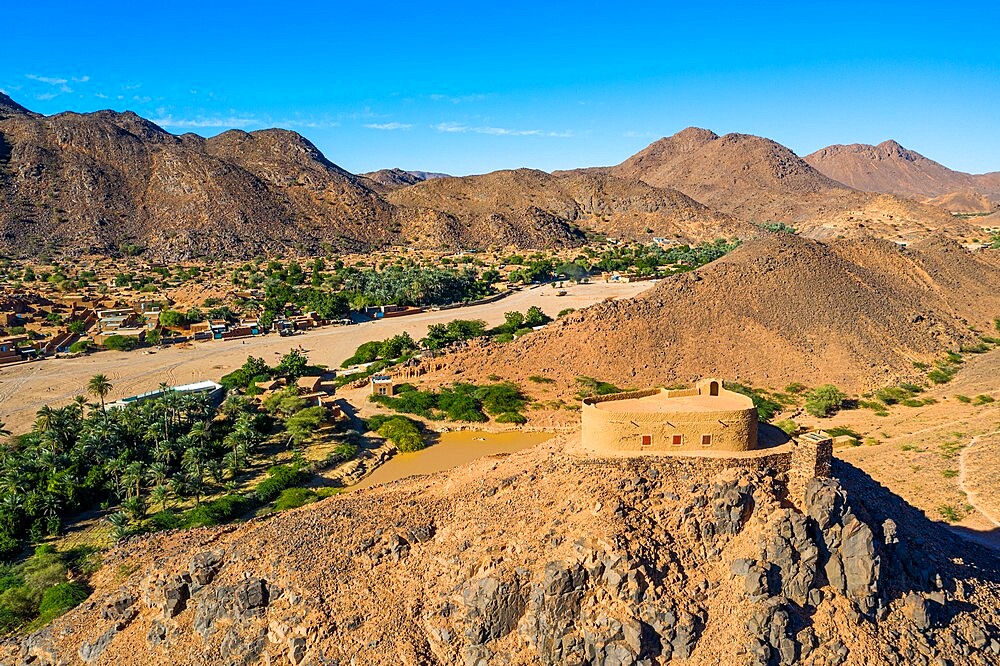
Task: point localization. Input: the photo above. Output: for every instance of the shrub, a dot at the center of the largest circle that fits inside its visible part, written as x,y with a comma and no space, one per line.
766,407
293,498
218,511
121,343
539,379
942,375
403,432
501,398
841,431
564,312
984,399
788,426
949,473
795,388
60,598
279,478
949,513
591,387
511,417
79,346
824,400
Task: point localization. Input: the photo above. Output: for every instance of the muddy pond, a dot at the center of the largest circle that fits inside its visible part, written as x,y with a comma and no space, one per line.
451,449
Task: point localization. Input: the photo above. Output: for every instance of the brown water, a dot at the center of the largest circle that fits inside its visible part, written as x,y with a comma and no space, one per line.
451,450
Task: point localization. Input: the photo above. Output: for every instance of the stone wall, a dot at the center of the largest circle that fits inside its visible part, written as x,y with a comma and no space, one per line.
811,458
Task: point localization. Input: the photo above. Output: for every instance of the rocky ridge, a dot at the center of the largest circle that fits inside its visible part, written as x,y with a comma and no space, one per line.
542,558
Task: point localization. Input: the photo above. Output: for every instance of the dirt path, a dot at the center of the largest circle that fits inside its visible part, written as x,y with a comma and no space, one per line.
27,387
962,479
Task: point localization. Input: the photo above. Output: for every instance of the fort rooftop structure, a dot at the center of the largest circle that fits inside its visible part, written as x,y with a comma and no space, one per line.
705,418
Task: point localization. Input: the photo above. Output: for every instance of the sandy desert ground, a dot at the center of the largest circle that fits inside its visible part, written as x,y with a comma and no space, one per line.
27,387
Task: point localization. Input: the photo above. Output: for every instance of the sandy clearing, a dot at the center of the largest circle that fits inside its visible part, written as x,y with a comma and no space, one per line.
26,388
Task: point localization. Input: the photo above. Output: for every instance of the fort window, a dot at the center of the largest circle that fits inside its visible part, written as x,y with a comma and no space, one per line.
677,440
647,441
713,388
706,440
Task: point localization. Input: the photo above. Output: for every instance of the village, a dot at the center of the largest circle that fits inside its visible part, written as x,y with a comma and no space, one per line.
83,305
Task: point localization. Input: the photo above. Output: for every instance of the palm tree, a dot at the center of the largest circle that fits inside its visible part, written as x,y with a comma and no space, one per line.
3,430
99,386
161,495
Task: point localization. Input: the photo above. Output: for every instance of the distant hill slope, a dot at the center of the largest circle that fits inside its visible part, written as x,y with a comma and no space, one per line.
893,169
560,205
757,179
780,308
386,180
963,201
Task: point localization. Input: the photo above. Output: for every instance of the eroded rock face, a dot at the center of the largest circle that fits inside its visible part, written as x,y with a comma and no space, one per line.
538,561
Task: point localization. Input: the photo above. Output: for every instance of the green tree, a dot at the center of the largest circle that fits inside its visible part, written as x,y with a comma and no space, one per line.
824,400
303,424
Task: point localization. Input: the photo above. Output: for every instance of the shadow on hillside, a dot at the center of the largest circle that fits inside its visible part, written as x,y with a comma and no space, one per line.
927,548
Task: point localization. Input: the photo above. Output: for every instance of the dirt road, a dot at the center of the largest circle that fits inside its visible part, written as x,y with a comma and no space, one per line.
27,387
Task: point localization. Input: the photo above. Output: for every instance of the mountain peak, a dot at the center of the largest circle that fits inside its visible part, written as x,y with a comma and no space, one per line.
8,108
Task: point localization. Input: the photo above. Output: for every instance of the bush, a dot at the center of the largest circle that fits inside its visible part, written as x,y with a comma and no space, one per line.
983,399
788,426
590,387
293,498
795,388
501,398
539,379
942,375
79,346
766,407
401,431
824,400
218,511
511,417
278,479
60,598
121,343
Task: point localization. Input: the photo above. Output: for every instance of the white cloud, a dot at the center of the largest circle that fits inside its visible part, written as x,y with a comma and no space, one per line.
46,96
81,79
51,80
389,126
202,121
456,128
457,99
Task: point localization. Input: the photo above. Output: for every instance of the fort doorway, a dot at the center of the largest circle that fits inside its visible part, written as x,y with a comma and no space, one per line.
713,388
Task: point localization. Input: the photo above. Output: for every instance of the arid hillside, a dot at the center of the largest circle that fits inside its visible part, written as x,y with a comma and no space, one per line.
893,169
560,207
778,309
542,558
963,201
102,181
757,179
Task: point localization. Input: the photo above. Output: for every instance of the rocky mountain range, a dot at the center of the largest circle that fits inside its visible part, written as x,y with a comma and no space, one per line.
891,168
109,183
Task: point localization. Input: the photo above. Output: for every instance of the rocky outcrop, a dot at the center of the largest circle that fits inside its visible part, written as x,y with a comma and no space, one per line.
538,558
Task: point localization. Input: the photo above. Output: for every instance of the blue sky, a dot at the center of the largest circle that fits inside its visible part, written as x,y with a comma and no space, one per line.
471,87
